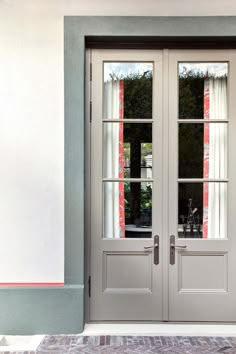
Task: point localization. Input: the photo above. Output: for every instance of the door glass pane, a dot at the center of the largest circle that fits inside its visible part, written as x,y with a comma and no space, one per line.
127,210
127,150
203,150
202,210
203,90
127,90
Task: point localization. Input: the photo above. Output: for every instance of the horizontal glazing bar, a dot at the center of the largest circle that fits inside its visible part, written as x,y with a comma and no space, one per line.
203,120
139,120
201,180
127,180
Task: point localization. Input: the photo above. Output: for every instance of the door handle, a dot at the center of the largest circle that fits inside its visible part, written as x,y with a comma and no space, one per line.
177,247
147,247
174,247
156,249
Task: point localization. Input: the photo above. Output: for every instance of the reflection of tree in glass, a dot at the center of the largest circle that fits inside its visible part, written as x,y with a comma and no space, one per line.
145,207
145,151
146,198
191,150
138,95
127,199
126,152
191,95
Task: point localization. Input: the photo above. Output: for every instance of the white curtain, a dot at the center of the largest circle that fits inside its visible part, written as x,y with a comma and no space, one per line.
111,110
217,192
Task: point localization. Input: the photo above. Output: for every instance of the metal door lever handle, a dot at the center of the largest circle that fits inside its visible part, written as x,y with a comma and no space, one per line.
155,246
174,247
155,249
181,247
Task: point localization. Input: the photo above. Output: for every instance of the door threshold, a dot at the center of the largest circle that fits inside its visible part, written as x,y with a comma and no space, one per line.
160,329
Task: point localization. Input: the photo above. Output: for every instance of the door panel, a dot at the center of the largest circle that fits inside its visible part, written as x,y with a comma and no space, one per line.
126,133
202,192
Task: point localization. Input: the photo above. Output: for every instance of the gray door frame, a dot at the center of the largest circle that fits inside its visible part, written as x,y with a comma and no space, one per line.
155,32
183,54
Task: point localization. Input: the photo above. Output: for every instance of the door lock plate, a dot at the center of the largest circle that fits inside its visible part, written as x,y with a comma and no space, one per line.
156,249
172,250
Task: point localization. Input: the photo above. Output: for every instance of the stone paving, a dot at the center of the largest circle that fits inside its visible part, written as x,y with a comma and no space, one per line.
74,344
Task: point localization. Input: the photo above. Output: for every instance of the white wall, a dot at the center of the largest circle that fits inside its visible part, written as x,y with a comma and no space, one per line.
31,146
31,124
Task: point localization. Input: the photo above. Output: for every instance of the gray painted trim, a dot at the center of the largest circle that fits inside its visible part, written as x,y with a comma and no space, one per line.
74,157
64,287
208,26
41,310
76,29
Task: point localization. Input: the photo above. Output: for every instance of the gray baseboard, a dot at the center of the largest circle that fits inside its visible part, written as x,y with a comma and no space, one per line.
41,310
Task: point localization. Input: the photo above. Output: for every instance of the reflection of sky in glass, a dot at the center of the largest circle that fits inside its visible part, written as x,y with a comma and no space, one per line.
212,69
122,70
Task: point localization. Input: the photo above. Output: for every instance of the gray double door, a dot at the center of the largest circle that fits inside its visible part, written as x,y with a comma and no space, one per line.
163,191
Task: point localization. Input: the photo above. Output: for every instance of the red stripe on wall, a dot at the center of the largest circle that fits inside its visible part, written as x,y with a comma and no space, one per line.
32,284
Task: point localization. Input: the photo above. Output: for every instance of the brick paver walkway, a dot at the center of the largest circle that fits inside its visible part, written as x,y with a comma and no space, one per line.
135,344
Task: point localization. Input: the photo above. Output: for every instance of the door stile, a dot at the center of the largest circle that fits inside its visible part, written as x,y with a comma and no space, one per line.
157,211
165,184
232,185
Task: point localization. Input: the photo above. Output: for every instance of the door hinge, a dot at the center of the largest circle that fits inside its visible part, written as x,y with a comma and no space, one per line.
89,286
90,71
90,111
